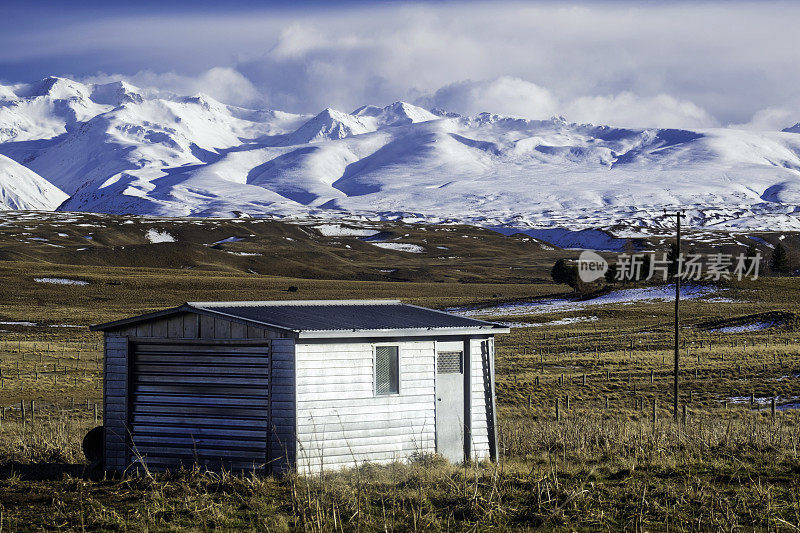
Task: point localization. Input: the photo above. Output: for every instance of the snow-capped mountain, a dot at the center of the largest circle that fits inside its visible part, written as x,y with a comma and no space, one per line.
22,188
118,149
792,129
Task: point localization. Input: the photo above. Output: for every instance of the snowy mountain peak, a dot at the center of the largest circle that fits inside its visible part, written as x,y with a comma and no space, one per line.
404,113
331,124
396,114
792,129
205,101
116,94
327,125
54,87
368,111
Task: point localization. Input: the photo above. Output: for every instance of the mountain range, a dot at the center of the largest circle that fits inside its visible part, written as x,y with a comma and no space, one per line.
116,148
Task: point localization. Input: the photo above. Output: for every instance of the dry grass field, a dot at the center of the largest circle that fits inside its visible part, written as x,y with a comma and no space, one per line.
612,461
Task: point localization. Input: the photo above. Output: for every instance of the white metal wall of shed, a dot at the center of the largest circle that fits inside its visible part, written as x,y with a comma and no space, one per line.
340,420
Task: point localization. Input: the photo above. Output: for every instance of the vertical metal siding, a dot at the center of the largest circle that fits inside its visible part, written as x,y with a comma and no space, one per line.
282,441
115,402
481,396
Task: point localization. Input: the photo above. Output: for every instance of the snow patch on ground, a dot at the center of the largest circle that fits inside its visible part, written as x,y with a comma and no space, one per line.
60,281
244,254
155,236
400,247
789,402
560,322
229,239
757,326
664,293
337,230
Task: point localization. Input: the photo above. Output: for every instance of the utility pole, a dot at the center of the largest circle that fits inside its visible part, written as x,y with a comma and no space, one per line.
677,259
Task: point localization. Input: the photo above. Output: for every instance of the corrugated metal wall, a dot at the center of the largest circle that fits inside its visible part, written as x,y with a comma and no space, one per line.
200,404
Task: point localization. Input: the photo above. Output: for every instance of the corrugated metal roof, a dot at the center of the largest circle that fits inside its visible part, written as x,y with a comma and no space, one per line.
328,318
338,316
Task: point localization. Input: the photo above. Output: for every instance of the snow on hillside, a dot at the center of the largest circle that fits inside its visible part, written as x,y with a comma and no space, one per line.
21,188
116,148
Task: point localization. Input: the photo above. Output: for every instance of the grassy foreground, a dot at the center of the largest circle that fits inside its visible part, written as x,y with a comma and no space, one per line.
586,473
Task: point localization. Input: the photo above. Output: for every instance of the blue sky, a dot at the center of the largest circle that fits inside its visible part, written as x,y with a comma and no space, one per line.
682,64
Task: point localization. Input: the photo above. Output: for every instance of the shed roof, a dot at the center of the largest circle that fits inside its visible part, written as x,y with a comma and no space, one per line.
331,318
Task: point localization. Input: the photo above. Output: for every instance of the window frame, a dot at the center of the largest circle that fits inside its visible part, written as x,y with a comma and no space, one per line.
375,369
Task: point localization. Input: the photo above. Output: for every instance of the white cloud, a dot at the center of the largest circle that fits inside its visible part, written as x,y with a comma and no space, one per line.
682,63
628,109
504,95
769,119
517,97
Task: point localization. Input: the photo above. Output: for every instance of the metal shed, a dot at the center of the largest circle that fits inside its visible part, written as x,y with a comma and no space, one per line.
305,385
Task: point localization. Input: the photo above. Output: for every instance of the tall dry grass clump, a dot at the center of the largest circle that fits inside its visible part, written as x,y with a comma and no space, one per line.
592,436
50,439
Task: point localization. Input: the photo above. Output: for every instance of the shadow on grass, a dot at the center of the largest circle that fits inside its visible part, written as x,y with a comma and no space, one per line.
41,471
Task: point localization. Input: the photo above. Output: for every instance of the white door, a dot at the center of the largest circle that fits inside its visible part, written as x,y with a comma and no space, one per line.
450,400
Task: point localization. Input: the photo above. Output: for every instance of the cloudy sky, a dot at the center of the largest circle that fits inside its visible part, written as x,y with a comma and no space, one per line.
668,64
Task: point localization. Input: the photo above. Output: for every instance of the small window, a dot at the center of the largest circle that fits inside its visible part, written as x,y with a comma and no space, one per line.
387,370
449,363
